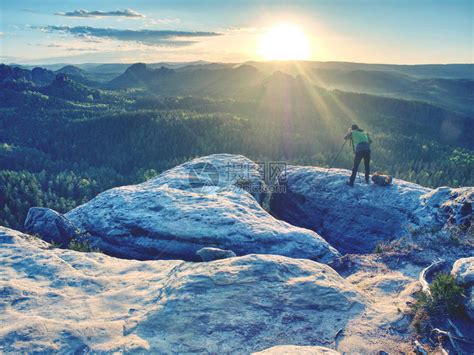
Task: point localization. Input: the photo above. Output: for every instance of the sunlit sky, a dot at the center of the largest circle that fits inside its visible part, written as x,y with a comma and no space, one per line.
383,31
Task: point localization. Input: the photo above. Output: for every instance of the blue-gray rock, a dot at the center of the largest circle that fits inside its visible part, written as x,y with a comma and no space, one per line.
195,205
355,220
62,301
463,271
299,350
452,206
210,254
50,225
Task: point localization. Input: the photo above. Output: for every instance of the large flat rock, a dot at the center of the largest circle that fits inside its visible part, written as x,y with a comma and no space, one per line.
195,205
56,300
357,219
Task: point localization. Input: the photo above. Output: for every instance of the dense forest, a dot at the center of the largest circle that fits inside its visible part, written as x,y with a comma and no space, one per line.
65,138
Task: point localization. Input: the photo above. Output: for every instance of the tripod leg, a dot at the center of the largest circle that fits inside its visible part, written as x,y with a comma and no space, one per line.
337,156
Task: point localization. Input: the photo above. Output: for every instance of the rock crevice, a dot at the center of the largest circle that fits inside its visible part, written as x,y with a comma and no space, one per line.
199,204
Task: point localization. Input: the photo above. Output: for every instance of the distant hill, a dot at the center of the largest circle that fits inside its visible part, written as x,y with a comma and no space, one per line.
207,66
446,71
66,88
38,76
450,86
223,80
85,77
9,73
71,70
119,68
51,67
454,94
362,80
198,81
138,75
82,76
106,68
69,82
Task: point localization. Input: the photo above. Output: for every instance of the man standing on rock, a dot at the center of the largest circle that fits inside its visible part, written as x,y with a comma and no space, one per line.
361,146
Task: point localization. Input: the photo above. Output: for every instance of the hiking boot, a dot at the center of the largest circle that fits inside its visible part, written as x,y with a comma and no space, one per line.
351,184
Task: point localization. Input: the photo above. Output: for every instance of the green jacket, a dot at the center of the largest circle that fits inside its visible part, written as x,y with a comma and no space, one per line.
360,140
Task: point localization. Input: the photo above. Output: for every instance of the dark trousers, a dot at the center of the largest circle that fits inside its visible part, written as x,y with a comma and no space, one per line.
365,154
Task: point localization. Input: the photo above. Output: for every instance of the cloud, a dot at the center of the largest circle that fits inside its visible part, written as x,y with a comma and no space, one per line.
164,21
243,29
163,38
98,14
66,47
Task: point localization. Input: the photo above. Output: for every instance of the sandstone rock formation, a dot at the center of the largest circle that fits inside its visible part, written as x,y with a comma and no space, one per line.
300,350
357,219
52,226
197,204
56,300
261,293
463,271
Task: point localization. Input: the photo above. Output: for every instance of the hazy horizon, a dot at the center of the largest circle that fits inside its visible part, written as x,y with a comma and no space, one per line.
197,61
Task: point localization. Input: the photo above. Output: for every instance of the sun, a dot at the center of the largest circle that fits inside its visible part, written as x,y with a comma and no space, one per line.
285,42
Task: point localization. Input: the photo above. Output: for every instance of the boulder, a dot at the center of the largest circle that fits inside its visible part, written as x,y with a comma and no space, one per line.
50,225
453,206
300,350
195,205
59,300
463,271
355,220
210,254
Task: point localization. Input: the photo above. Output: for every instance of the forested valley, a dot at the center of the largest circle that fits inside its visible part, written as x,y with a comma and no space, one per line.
64,137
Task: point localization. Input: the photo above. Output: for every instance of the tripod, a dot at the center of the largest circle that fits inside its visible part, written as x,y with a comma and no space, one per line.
337,156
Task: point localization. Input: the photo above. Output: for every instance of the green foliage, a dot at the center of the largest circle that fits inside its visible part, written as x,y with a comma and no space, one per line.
378,249
420,321
57,151
55,245
398,245
82,246
61,191
446,294
462,157
65,88
446,299
145,174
